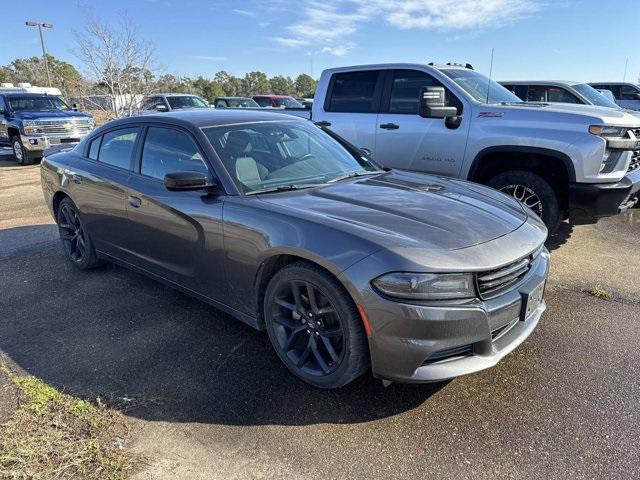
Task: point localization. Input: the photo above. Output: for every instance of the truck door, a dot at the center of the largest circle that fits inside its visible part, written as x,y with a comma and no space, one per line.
4,131
351,105
407,141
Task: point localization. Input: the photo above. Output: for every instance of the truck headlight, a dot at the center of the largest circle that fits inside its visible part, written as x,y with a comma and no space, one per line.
30,127
426,286
608,131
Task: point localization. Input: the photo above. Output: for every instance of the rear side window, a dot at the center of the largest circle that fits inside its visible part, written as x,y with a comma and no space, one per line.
117,147
627,92
94,147
167,150
519,90
537,94
353,92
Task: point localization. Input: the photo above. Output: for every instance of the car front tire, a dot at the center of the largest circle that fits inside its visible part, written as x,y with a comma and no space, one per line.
75,240
314,326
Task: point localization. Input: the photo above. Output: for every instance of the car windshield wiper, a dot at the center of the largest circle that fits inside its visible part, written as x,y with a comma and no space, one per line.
353,175
283,188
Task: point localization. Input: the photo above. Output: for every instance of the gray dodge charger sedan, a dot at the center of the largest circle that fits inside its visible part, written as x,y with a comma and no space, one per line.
291,229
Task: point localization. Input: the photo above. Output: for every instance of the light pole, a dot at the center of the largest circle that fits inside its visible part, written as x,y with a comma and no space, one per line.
44,50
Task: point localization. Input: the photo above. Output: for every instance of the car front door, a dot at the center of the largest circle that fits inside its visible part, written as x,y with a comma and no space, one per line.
176,235
351,107
629,97
405,140
97,183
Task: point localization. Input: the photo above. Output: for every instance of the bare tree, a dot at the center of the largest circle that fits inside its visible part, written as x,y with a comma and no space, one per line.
118,63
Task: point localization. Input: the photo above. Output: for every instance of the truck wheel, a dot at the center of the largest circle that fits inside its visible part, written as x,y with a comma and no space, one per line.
533,191
22,154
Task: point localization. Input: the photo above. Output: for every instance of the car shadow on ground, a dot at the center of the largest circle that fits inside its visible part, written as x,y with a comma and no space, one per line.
560,237
161,355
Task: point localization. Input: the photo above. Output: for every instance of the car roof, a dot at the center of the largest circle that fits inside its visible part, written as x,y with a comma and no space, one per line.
272,96
542,82
173,95
233,98
208,117
27,94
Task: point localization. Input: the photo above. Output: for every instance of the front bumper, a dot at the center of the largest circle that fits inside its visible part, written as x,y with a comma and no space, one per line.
39,143
590,201
410,342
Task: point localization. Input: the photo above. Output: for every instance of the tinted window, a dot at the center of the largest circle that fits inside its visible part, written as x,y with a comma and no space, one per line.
263,102
560,95
167,150
353,92
152,103
37,103
405,90
117,147
628,92
186,101
94,146
536,94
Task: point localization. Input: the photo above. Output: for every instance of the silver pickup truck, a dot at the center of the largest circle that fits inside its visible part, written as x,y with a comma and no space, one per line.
563,161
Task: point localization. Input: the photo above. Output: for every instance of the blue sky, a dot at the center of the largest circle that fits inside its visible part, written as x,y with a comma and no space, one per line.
533,39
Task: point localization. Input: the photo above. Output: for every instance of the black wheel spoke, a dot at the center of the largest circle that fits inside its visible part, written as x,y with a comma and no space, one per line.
331,332
326,310
292,338
285,304
311,295
295,287
329,347
286,322
66,226
67,215
68,236
318,356
302,359
80,245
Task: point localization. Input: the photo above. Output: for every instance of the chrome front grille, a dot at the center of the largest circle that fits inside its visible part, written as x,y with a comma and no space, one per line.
496,281
635,156
68,127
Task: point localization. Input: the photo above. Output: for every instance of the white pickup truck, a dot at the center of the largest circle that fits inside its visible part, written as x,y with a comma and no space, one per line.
563,161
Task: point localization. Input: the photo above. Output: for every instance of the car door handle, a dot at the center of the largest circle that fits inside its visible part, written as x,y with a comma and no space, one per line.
135,202
390,126
323,123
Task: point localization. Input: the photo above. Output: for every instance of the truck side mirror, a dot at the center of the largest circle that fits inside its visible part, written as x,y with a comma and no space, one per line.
432,104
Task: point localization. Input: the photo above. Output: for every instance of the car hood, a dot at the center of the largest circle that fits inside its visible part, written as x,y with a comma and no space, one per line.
408,209
591,113
47,115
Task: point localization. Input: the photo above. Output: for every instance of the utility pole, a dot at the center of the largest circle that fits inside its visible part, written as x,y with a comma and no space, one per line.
626,64
44,50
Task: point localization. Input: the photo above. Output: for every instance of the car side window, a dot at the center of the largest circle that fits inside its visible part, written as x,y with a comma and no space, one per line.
353,92
152,103
167,150
537,94
627,92
94,148
560,95
117,147
263,102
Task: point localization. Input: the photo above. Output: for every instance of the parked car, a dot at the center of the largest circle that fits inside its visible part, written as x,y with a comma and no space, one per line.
277,101
32,122
563,161
568,92
627,95
289,228
167,102
306,102
235,102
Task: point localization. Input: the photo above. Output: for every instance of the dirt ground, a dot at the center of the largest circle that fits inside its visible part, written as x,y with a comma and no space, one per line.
209,399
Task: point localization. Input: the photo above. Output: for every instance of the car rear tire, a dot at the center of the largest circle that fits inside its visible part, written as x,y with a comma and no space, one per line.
533,191
314,326
75,240
21,154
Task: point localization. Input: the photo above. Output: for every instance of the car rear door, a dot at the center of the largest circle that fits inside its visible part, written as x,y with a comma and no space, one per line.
405,140
97,183
176,235
351,107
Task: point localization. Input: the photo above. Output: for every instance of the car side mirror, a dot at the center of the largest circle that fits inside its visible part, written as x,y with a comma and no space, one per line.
161,108
432,104
366,153
187,181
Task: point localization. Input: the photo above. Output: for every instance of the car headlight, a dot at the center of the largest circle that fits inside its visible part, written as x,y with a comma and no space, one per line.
608,131
426,286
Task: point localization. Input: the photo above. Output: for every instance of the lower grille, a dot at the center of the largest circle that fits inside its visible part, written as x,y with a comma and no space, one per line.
448,353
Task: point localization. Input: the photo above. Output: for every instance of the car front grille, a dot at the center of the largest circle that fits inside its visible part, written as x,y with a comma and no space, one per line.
635,156
68,127
496,281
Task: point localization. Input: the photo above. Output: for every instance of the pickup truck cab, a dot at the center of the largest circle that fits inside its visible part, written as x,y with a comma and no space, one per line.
33,122
168,102
563,161
627,95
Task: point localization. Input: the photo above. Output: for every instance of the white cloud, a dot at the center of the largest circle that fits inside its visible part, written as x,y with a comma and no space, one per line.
246,13
209,58
330,24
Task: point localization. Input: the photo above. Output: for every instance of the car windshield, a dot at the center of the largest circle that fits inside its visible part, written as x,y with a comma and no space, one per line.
287,103
594,96
186,101
242,103
480,87
32,103
283,154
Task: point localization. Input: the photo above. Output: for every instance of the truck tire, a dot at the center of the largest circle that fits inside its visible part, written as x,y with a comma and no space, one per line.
532,190
22,155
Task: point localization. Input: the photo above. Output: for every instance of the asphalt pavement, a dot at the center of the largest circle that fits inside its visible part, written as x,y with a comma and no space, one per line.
208,398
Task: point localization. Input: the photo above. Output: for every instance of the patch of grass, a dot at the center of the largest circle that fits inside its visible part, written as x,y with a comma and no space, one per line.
599,292
55,435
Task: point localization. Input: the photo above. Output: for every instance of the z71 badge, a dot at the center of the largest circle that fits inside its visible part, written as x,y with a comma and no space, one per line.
490,114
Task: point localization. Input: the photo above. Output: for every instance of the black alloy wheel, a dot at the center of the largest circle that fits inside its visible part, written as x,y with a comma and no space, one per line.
76,242
314,326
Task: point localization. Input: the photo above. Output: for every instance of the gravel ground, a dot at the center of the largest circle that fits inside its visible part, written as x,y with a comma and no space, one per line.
210,399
